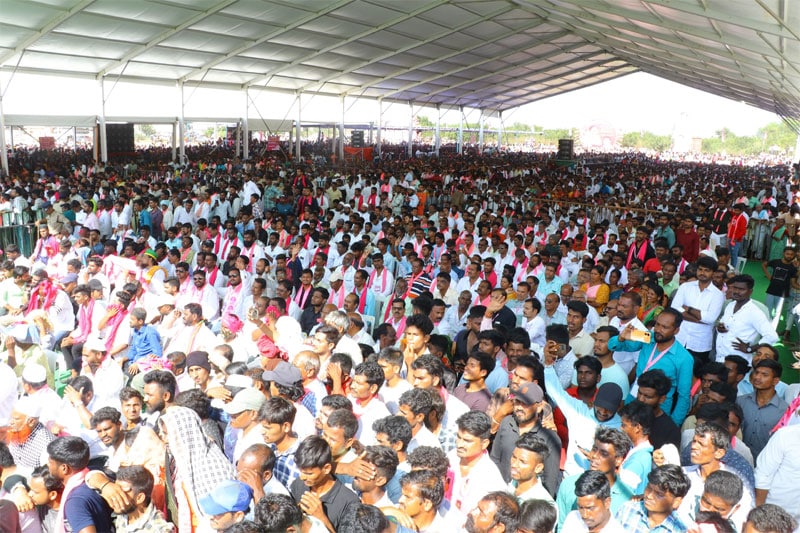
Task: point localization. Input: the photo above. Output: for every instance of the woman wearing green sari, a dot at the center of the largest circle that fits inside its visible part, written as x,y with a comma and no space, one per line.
778,240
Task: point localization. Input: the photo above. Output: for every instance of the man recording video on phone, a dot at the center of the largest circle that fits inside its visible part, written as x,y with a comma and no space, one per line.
664,352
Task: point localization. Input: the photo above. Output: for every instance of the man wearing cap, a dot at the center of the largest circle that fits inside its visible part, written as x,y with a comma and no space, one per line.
34,385
21,350
582,419
55,219
227,504
27,437
243,411
104,372
525,406
338,292
286,382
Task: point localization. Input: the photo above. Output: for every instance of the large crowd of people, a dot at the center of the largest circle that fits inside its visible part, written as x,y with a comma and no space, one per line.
477,342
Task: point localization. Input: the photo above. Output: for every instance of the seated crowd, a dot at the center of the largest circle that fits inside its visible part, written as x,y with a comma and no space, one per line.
466,343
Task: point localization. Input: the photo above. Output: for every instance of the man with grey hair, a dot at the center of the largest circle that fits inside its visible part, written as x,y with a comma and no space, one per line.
346,345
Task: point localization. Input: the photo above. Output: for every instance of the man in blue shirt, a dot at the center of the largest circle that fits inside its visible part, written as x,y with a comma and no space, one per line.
664,352
84,509
145,340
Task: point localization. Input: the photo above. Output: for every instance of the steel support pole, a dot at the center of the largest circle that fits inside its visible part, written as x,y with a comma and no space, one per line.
297,153
410,147
341,133
102,122
181,126
4,155
438,139
246,136
460,130
174,140
500,133
380,123
480,132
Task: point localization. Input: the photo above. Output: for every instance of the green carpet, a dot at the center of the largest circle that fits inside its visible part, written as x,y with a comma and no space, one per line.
790,375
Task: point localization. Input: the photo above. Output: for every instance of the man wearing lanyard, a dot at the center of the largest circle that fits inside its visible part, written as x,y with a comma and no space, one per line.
664,352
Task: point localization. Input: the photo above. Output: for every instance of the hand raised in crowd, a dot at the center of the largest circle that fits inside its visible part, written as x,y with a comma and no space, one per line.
220,393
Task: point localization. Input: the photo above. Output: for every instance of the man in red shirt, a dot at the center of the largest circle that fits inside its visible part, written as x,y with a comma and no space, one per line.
689,239
736,232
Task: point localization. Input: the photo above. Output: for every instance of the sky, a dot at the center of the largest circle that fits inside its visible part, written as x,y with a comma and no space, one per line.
637,102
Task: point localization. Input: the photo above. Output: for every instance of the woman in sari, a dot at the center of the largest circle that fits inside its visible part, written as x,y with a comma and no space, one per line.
614,288
194,467
653,303
778,239
597,291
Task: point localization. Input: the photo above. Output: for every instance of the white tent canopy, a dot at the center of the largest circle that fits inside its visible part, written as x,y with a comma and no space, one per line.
487,54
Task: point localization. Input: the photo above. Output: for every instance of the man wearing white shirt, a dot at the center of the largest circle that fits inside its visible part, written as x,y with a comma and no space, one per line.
414,405
367,406
203,293
455,318
381,281
593,493
475,474
243,410
534,324
627,311
700,303
742,322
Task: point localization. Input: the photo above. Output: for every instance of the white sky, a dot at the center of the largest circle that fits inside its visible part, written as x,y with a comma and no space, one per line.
631,103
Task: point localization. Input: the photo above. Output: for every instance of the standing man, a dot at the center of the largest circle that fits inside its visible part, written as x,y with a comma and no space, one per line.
700,304
665,352
737,229
782,276
627,315
525,419
742,324
762,408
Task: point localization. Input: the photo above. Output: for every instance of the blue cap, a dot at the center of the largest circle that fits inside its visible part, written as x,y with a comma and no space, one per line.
229,496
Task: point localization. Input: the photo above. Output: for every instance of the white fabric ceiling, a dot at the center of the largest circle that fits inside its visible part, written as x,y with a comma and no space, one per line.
490,54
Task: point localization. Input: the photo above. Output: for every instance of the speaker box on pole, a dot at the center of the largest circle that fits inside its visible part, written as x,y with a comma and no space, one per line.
119,138
565,149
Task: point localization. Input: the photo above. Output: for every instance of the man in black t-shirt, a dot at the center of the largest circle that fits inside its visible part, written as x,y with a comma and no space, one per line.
782,275
317,490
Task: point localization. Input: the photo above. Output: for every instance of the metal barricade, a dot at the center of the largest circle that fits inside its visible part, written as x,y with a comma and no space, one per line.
24,236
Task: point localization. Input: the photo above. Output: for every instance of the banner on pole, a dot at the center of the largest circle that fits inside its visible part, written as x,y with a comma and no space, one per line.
273,143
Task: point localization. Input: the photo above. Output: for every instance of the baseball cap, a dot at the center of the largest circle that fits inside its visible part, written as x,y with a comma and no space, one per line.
283,374
229,496
245,400
47,205
527,393
609,396
336,275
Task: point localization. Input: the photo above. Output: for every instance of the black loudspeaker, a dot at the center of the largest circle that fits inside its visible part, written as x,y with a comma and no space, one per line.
357,139
565,149
120,138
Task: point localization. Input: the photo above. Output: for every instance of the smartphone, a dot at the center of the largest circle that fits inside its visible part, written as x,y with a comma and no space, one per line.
640,336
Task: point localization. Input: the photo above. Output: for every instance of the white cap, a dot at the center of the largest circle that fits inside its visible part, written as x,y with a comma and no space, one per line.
28,407
34,373
95,345
336,275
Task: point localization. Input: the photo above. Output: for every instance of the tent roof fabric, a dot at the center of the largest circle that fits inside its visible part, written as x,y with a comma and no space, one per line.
488,54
